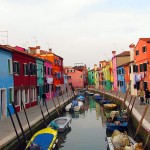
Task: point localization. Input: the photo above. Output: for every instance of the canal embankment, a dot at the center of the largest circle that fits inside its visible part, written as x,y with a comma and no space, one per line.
139,121
8,138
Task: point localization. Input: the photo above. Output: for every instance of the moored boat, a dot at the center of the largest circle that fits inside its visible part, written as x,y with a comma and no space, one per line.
117,125
77,107
44,139
97,97
120,140
110,106
62,123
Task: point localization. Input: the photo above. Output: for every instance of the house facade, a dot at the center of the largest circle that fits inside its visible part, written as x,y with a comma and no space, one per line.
91,79
6,82
75,77
120,79
40,78
48,80
25,79
142,60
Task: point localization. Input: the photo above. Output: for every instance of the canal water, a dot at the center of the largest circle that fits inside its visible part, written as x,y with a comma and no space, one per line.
87,130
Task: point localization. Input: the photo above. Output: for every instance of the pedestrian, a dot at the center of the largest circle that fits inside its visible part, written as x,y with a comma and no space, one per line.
141,96
147,95
44,98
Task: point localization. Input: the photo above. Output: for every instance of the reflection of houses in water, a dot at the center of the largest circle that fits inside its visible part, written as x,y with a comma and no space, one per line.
91,102
97,110
103,116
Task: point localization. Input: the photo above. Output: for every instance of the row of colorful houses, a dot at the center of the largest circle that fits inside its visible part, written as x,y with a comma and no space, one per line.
26,74
127,70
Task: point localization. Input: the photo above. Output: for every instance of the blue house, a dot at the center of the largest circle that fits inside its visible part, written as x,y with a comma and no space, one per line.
121,80
6,81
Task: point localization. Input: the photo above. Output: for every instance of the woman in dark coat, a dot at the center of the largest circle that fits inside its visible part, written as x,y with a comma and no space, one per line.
147,95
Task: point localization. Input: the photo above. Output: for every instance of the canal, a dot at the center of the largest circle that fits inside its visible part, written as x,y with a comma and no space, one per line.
87,130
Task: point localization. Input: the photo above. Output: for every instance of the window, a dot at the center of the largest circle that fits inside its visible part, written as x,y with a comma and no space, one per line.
11,95
122,71
145,67
137,52
144,49
92,72
141,67
135,68
44,70
10,66
25,69
48,71
130,69
16,67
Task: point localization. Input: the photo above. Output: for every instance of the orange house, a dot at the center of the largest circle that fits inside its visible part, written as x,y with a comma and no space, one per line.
56,69
142,60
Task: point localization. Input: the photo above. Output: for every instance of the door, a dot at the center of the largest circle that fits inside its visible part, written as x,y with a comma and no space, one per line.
22,98
3,102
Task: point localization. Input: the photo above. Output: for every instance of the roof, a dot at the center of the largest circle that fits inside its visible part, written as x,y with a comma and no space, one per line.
124,53
145,39
13,49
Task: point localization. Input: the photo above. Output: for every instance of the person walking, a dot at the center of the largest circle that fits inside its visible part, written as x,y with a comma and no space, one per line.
141,96
147,95
44,98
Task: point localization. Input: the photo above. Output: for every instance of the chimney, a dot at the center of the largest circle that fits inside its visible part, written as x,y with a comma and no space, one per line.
37,49
132,45
50,50
113,53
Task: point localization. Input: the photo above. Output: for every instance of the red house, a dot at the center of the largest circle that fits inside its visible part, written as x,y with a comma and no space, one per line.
25,79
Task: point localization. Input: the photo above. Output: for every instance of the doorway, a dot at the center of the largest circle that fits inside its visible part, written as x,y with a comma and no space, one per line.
3,103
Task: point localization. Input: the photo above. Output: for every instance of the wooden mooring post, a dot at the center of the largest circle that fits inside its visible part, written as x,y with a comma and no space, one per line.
55,107
19,141
43,115
140,123
131,109
148,136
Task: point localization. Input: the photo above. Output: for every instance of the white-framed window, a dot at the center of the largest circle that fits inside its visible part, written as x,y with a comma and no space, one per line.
10,70
33,94
17,97
16,67
11,95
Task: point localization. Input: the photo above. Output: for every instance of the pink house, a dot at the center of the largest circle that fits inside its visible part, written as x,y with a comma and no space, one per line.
75,77
48,79
114,70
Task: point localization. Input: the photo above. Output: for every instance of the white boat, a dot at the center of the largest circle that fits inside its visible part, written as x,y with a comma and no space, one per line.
75,108
62,123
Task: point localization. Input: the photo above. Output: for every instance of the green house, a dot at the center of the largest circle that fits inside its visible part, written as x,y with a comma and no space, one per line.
91,77
40,77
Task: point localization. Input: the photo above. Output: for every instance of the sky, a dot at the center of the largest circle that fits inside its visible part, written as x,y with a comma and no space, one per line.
80,31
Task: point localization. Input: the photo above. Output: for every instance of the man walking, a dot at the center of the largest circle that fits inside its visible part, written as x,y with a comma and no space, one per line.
44,98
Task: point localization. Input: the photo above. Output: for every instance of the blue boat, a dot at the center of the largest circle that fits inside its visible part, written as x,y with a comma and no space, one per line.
97,97
105,101
44,139
80,98
117,125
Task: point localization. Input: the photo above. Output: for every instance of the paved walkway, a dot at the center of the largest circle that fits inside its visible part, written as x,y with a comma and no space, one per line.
34,114
137,109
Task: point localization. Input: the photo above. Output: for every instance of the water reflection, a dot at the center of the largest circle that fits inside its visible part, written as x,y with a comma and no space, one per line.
87,130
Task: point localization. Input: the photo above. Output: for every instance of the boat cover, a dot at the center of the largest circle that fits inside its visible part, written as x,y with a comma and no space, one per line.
43,140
